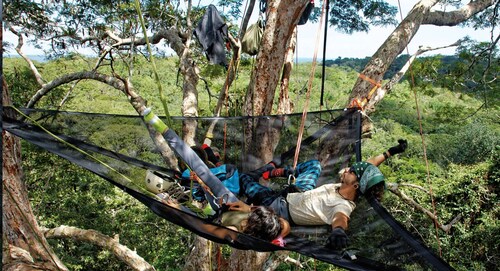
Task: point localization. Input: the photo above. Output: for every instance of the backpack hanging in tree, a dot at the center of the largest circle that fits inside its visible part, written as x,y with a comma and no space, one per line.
250,43
306,13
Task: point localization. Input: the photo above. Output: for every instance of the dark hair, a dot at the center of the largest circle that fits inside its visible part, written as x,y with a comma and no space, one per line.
376,191
263,223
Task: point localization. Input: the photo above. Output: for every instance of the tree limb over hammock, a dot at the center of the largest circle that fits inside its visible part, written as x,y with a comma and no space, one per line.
203,227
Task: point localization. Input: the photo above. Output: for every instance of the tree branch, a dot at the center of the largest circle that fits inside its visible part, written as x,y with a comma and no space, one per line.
128,256
38,76
394,188
387,53
67,78
452,18
399,75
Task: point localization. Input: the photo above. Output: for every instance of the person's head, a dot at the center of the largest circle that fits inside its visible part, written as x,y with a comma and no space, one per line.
365,178
262,223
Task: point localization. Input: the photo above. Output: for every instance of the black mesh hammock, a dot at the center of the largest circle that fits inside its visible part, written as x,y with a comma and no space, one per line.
378,242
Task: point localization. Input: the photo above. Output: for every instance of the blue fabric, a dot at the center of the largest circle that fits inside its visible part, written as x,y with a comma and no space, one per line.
307,174
227,174
201,169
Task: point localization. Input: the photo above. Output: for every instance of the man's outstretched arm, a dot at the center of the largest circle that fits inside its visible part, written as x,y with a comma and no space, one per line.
338,238
379,159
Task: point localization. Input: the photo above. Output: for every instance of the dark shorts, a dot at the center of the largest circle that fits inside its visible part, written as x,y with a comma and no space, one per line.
280,206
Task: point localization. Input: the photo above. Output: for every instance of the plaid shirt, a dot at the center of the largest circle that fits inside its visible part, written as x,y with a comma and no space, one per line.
307,174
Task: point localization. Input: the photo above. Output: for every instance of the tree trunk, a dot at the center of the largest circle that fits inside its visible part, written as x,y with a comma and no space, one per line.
285,105
247,260
375,69
199,257
398,40
190,100
25,247
282,17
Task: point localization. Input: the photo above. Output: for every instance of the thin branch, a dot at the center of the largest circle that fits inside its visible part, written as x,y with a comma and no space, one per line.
414,186
399,75
394,188
294,262
452,18
67,94
38,76
125,254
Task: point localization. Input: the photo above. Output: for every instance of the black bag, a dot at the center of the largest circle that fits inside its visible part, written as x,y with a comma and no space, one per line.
307,12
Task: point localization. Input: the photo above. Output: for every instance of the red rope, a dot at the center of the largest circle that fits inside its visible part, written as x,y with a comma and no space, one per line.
309,87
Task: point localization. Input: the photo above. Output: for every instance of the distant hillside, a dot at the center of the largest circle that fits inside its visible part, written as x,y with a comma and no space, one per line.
38,58
358,64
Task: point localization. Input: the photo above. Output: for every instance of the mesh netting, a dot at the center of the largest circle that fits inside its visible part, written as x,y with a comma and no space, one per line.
124,144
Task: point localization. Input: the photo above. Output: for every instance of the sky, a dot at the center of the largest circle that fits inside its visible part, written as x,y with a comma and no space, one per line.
357,45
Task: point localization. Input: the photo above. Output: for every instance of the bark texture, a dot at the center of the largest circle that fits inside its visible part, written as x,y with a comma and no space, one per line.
282,17
25,247
281,20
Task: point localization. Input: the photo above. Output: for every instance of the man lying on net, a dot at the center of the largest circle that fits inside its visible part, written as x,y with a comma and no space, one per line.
329,204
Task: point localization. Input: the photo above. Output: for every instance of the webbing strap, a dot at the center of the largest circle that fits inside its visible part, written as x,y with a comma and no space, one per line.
360,104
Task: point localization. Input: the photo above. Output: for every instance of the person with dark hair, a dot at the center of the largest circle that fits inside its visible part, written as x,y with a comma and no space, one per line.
260,222
329,204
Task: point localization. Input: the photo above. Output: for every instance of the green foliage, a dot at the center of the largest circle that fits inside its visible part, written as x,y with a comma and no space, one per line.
472,71
358,64
461,147
352,16
20,80
83,200
474,143
471,191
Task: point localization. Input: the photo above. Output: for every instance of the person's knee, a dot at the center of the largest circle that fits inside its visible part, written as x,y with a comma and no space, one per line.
311,166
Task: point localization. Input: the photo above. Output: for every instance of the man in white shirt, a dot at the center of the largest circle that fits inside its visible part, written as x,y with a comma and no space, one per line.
329,204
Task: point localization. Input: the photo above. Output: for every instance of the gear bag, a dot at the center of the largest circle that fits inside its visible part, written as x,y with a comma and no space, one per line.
250,43
306,13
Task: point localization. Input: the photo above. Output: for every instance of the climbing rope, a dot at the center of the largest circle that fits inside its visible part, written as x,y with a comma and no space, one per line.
412,86
309,87
153,64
